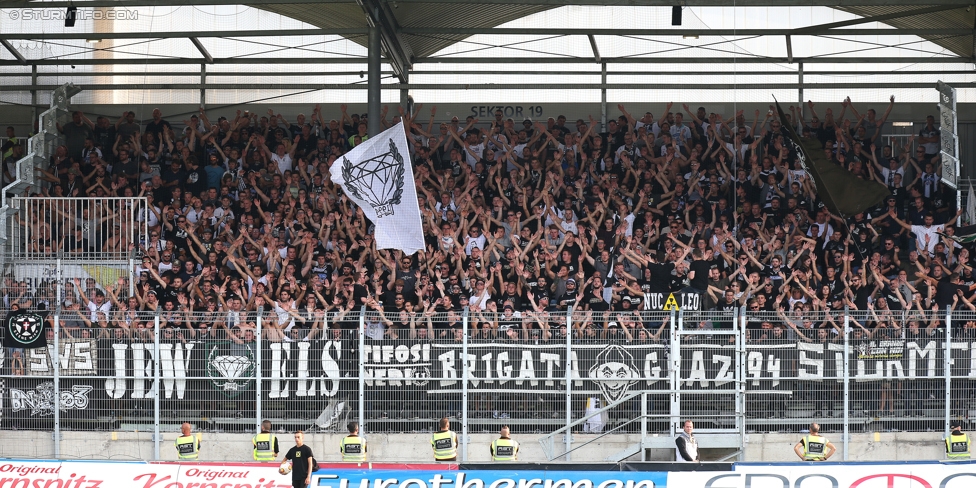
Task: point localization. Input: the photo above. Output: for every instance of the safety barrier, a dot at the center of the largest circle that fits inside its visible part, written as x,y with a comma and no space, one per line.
62,474
135,371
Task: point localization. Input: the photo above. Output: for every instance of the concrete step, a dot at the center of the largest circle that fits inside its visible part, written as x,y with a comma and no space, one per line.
631,450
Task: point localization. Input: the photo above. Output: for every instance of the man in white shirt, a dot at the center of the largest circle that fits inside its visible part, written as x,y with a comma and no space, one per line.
474,239
927,235
679,131
281,158
283,308
97,304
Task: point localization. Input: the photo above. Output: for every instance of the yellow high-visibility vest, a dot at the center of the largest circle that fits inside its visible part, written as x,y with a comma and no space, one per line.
187,447
814,448
445,445
353,449
957,446
504,449
263,447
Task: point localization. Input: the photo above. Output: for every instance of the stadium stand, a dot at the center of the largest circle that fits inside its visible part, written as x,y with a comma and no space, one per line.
259,267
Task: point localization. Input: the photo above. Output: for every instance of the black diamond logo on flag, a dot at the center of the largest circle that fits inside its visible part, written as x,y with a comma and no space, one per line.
377,180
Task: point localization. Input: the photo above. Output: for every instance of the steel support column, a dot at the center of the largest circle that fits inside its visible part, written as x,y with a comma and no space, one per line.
847,383
157,374
362,370
34,96
373,92
405,97
465,371
203,86
568,436
258,375
405,102
799,86
947,372
56,364
603,97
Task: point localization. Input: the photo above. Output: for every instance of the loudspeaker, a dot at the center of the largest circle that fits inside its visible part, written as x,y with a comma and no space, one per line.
676,15
69,16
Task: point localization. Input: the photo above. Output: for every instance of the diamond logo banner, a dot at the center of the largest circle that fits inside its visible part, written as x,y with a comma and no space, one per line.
378,176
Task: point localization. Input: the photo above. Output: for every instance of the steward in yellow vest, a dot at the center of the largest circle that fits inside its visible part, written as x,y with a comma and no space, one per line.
187,446
957,444
444,442
265,444
504,448
352,447
814,447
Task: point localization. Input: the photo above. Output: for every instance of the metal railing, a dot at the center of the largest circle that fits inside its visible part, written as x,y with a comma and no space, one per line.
124,370
79,228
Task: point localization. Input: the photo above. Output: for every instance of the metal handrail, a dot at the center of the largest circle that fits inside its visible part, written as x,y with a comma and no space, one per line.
547,441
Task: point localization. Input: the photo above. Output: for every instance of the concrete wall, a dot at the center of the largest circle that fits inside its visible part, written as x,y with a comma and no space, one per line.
20,116
878,446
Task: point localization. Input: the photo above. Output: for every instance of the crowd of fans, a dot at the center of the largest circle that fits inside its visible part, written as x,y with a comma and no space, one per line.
523,219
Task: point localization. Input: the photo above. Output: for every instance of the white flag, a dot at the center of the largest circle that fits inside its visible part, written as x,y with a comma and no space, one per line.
378,176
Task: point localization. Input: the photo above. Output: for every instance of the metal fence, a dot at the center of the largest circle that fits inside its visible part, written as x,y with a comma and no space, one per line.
131,371
111,228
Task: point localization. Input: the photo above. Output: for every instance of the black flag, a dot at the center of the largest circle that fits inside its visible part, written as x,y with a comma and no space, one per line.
843,193
25,329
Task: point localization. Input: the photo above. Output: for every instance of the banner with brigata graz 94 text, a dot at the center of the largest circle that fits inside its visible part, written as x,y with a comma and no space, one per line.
104,374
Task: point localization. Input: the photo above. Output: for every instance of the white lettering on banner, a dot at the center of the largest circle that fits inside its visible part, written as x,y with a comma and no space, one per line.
447,368
972,356
725,373
499,368
688,301
174,364
329,384
652,370
68,474
697,372
527,370
815,364
503,368
473,480
754,367
401,365
813,360
77,358
41,400
305,384
916,353
854,475
972,361
552,362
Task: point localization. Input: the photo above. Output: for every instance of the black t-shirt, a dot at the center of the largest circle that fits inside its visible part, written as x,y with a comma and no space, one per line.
299,457
700,267
157,128
661,277
945,290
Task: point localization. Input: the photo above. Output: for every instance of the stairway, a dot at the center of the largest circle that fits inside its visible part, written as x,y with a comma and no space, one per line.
40,148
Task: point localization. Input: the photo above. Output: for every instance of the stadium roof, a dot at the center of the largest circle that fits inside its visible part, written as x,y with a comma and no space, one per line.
413,30
417,26
443,35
